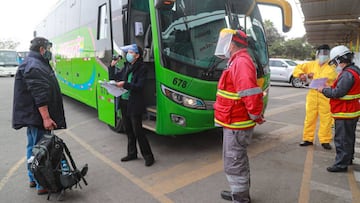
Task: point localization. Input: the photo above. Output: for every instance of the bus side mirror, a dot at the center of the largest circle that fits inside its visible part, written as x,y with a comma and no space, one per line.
164,4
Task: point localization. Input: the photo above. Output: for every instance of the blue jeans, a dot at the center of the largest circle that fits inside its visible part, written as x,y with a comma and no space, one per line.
34,134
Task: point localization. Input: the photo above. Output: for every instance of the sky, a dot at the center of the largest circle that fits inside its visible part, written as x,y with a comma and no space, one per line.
274,15
18,19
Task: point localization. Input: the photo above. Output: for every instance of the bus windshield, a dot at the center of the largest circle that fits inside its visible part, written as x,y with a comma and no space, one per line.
189,33
8,58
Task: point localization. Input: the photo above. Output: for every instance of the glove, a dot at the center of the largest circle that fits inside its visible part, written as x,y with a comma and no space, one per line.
112,82
260,120
302,77
310,75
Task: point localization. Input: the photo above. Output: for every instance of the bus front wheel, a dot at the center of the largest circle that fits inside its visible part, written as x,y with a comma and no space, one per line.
119,126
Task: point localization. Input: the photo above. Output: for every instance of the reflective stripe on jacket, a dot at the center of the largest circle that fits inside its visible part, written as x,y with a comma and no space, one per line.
348,106
238,98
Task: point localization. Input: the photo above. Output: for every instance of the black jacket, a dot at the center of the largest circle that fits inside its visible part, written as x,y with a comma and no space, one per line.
35,86
136,102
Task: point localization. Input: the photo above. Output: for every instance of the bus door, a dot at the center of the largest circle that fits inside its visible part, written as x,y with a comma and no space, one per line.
103,55
139,26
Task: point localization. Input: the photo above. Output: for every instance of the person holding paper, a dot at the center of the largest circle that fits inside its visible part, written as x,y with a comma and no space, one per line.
317,105
344,97
132,104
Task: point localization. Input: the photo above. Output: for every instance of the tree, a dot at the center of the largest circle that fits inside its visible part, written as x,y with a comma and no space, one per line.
272,34
296,48
8,44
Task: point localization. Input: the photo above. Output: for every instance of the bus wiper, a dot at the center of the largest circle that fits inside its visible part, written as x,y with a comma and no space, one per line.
210,71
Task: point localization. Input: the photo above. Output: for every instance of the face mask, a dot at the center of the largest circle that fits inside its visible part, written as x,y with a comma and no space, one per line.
130,58
338,69
47,55
323,59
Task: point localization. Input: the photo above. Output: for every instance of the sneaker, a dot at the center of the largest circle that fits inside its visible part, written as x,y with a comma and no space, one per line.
32,184
326,146
42,192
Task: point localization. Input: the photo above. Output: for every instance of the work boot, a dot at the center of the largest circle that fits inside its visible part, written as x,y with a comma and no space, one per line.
242,197
305,143
128,158
326,146
149,160
336,169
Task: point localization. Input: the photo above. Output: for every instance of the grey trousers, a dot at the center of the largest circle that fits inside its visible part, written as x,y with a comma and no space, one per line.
345,134
236,161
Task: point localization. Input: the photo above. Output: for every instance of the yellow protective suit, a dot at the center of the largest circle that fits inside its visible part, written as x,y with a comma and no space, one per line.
317,105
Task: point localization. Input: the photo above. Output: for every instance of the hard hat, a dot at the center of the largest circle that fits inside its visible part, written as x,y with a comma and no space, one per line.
338,52
225,37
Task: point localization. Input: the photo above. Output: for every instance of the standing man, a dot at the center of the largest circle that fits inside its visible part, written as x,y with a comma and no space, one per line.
132,104
345,107
238,107
317,105
37,101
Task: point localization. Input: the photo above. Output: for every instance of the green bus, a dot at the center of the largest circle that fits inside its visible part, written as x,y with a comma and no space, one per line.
178,38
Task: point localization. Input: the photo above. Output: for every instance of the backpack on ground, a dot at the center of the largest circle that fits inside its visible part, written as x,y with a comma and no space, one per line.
50,166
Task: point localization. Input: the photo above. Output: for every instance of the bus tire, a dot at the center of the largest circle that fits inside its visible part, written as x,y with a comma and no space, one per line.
119,126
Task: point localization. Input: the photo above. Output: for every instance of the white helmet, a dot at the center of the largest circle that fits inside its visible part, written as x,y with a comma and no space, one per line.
338,52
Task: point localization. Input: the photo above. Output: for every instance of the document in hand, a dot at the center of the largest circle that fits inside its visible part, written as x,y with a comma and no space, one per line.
316,83
112,89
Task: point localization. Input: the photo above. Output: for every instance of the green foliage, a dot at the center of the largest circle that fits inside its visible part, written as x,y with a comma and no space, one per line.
297,48
8,44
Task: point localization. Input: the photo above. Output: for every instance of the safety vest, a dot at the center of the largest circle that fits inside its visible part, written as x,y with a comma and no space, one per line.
231,111
348,106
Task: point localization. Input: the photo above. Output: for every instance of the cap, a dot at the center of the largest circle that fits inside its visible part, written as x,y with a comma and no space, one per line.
131,47
40,42
240,37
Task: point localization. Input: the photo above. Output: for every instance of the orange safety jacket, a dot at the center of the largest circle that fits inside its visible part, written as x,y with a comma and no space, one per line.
348,106
238,98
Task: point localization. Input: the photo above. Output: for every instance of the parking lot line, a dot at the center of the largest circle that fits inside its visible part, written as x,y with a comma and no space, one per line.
304,193
137,181
284,108
353,185
12,170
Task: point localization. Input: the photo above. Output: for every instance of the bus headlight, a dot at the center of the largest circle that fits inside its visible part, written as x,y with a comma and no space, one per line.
183,99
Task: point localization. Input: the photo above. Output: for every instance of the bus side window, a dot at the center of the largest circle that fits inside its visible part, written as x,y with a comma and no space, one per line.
148,54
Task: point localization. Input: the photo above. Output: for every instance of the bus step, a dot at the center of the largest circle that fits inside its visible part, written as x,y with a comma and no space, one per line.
151,113
149,125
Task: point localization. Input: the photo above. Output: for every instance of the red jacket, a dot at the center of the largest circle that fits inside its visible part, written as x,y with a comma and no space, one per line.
238,99
348,106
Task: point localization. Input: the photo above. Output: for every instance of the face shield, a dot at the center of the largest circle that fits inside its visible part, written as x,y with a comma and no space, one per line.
223,44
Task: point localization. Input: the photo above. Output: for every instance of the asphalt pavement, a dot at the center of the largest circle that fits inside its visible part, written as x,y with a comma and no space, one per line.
188,169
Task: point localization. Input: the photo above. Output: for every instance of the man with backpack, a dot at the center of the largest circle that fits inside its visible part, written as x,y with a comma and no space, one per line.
37,103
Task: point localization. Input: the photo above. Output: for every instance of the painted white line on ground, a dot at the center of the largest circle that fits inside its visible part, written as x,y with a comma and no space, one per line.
284,108
290,95
345,195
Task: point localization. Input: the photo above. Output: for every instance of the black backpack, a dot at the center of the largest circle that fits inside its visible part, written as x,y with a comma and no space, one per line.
50,166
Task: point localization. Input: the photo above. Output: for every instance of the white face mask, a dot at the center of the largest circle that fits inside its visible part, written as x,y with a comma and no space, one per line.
323,59
339,69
